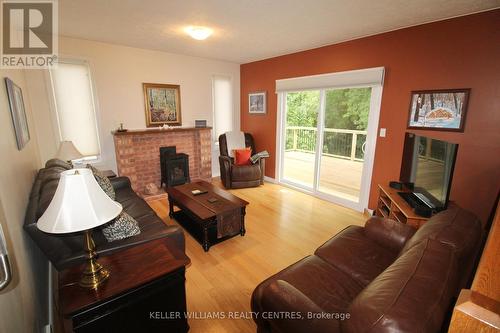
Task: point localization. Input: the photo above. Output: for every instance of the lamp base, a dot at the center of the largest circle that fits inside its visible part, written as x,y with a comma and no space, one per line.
93,274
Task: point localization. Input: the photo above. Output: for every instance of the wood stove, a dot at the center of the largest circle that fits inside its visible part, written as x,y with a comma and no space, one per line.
174,167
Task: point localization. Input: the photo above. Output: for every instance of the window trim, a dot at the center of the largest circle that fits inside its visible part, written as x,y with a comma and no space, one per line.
96,159
371,139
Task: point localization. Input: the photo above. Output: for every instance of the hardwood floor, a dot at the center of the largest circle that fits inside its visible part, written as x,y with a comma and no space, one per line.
282,226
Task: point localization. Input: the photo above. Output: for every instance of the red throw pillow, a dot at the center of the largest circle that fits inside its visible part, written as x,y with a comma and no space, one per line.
242,156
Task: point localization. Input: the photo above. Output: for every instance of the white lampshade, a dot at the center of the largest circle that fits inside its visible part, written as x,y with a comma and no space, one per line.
78,204
68,152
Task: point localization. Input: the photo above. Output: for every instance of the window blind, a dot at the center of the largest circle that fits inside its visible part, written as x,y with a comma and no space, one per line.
347,79
222,105
74,103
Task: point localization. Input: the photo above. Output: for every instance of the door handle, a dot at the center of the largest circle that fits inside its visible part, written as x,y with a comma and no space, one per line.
5,272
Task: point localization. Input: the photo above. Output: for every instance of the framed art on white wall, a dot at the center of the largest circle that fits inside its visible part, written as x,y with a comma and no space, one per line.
18,113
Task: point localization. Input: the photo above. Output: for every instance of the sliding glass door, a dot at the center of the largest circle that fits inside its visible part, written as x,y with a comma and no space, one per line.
344,140
302,109
327,141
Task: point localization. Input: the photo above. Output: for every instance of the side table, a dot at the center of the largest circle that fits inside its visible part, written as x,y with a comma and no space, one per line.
109,173
145,280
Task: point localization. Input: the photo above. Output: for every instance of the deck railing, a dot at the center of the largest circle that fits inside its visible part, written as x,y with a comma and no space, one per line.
341,143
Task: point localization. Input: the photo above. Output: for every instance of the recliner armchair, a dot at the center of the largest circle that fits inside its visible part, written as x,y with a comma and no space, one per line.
239,176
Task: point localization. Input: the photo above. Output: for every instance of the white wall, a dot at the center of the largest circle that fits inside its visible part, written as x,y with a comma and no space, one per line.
23,306
119,72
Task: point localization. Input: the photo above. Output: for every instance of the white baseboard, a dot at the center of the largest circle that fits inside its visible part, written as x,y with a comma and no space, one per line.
270,180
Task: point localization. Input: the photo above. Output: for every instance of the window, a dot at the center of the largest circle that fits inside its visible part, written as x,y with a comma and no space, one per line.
222,93
75,107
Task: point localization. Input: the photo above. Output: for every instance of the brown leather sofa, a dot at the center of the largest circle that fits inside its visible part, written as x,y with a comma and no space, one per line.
378,278
239,176
67,250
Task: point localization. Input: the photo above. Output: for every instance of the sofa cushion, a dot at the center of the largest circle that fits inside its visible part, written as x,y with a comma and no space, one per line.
242,156
47,191
55,162
456,227
388,233
134,205
123,226
245,172
352,252
411,295
325,285
283,298
103,182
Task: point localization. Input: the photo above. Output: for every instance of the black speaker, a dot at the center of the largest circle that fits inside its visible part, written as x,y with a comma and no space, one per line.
423,210
409,186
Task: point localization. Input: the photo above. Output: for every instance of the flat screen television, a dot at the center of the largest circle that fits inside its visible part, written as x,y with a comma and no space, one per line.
428,163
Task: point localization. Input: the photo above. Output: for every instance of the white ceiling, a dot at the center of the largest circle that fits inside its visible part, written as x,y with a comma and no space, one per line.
248,30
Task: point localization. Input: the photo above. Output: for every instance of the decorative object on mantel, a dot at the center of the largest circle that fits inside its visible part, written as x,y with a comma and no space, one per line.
200,123
162,103
18,113
443,110
121,129
80,204
166,127
257,102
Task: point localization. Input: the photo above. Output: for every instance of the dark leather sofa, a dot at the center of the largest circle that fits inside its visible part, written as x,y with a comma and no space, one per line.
378,278
240,176
67,250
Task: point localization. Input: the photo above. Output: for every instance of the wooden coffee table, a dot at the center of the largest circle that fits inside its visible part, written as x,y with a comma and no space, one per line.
202,214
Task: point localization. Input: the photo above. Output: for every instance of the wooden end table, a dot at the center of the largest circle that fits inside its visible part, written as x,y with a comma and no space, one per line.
146,281
199,216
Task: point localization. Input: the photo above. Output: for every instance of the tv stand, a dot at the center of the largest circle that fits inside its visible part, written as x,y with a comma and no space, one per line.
391,205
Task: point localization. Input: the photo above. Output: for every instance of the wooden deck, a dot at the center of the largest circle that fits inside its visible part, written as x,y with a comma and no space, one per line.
338,176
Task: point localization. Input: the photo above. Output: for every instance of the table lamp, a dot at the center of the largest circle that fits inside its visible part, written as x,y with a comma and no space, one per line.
80,204
68,152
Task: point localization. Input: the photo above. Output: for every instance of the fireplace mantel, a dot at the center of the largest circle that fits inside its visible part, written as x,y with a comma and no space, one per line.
138,153
160,130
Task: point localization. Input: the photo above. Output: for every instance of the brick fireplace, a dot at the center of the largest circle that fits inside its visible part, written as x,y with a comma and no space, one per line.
138,157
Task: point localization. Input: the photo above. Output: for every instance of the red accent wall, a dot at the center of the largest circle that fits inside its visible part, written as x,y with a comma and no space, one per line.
457,53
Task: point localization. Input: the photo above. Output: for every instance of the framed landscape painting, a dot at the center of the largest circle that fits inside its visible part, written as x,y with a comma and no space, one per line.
163,104
438,109
18,113
257,102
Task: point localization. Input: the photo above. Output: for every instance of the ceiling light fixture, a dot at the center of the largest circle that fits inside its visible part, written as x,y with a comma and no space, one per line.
198,33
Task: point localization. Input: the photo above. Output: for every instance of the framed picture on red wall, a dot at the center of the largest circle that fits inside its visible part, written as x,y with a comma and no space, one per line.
443,110
257,102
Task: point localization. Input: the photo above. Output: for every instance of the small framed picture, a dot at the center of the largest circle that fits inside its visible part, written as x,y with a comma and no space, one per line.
200,123
443,110
257,102
18,113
